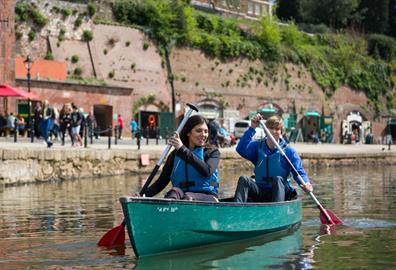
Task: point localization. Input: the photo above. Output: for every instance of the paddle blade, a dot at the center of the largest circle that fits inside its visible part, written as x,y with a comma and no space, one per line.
330,218
114,237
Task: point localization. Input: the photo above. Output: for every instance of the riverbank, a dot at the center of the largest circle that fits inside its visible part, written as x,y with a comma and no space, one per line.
25,162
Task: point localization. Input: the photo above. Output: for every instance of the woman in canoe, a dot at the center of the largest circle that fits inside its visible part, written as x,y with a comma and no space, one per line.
191,167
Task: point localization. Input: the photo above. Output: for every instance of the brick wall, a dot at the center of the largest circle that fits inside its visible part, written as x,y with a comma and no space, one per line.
7,42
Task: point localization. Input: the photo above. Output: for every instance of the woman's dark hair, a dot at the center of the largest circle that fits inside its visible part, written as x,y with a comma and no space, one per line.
191,123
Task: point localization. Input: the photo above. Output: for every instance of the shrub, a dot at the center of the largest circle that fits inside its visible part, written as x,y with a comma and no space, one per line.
111,74
146,45
291,36
61,36
87,35
18,35
78,71
380,46
91,9
49,56
32,35
269,35
66,13
75,58
78,22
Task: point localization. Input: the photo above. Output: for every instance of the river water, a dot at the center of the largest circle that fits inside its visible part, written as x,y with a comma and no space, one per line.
57,225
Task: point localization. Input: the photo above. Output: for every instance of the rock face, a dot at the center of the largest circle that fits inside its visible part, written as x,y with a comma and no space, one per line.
125,57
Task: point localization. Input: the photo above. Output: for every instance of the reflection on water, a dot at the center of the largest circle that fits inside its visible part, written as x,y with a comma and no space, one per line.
263,251
57,225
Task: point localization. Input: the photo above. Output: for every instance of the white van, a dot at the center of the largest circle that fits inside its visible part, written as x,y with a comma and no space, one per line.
242,125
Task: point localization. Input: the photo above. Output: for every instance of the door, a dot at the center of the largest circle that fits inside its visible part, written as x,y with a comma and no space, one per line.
104,120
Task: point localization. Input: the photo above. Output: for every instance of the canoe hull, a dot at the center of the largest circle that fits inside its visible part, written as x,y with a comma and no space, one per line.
160,225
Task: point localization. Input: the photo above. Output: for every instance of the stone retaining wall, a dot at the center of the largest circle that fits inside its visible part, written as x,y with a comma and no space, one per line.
20,166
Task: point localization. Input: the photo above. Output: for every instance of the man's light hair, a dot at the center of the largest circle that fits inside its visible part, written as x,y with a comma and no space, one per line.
275,122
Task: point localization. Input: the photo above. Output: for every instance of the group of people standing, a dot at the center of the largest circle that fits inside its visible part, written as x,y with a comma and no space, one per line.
192,167
49,123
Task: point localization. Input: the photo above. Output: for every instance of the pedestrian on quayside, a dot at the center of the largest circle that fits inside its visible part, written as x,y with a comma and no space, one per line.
271,183
191,167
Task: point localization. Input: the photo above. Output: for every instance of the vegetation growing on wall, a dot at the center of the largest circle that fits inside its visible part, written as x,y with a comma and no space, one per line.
333,59
28,11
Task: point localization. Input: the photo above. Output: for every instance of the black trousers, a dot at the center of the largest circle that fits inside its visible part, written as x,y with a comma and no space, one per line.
178,194
247,189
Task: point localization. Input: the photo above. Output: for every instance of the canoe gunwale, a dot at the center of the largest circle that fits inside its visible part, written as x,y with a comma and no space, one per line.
152,200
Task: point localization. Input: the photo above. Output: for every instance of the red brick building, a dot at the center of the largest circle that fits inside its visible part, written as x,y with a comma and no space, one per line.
7,45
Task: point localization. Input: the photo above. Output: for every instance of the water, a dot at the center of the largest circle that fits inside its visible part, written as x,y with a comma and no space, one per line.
57,225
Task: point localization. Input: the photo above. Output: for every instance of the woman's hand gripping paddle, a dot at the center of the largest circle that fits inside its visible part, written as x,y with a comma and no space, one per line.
116,236
326,216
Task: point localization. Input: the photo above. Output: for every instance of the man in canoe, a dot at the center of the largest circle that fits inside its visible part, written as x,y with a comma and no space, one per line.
271,170
191,167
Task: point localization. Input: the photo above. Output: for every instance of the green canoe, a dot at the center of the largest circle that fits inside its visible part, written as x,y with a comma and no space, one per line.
162,225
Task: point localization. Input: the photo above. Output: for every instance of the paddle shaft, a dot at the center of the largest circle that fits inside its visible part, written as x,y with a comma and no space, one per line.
319,205
167,149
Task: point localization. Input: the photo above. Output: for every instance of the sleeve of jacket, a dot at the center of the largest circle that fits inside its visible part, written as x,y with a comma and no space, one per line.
164,178
295,159
246,147
205,167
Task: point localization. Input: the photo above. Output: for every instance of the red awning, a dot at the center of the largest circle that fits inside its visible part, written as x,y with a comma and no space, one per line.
8,91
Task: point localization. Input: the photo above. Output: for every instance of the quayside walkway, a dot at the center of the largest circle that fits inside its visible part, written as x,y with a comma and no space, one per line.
26,162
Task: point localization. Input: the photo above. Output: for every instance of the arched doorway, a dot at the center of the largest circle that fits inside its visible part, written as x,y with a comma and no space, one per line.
311,126
354,128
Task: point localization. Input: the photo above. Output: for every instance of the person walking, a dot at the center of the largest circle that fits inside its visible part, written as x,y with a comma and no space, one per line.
192,167
271,170
76,120
47,121
120,122
133,126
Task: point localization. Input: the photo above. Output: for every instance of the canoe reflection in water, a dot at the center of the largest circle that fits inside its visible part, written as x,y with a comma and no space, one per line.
264,252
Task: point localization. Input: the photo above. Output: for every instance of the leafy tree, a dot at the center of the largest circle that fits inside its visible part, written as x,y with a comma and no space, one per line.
288,10
334,13
376,16
392,18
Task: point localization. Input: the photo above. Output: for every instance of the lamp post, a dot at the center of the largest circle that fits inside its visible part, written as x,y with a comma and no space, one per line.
28,64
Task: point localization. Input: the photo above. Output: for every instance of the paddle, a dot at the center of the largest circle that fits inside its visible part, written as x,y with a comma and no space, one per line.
326,216
116,236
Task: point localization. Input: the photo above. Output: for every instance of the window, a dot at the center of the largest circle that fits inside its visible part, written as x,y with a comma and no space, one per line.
257,9
250,8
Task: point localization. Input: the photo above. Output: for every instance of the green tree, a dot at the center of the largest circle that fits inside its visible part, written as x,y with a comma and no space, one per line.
334,13
376,15
392,18
288,10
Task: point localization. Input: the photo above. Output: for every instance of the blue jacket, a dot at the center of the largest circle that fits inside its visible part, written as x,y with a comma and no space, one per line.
249,149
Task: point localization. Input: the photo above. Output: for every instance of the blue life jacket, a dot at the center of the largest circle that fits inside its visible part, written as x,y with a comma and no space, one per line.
269,166
187,178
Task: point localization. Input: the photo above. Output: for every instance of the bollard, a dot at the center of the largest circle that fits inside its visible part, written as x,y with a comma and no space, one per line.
85,135
110,134
115,134
147,135
15,130
166,135
157,135
91,136
63,137
138,135
31,130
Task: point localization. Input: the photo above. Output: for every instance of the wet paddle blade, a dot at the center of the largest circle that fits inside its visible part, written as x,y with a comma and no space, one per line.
114,237
331,218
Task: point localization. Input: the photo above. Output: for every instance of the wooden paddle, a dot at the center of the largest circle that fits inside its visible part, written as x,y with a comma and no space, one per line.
326,216
116,236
